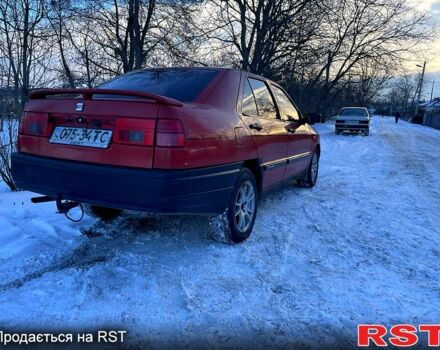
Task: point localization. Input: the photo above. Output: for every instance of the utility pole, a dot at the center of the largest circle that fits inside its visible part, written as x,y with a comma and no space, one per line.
420,88
432,90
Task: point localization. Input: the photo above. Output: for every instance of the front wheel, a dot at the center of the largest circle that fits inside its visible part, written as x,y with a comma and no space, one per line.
311,173
236,223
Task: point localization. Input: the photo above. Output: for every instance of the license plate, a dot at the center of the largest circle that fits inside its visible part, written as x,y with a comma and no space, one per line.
81,137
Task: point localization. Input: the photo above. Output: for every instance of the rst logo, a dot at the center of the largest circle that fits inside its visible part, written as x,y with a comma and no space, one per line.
401,335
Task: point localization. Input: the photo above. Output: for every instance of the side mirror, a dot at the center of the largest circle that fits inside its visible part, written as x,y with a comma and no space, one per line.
291,126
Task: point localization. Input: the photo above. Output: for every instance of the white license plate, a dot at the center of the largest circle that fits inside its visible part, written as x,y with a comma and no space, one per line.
81,137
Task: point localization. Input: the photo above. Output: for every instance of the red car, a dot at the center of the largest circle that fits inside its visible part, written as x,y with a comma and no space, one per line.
175,140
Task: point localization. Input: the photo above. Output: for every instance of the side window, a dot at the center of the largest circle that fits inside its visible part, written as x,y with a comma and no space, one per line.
287,109
248,104
265,104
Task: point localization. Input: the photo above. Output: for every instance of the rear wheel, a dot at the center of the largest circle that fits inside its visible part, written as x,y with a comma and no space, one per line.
236,223
103,212
367,132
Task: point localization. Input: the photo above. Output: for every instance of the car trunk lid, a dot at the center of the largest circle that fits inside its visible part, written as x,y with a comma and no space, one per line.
352,119
112,127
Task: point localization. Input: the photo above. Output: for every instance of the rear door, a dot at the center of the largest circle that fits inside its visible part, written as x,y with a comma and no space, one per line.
299,136
269,134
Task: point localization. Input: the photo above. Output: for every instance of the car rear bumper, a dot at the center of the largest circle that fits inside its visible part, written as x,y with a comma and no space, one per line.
355,127
195,191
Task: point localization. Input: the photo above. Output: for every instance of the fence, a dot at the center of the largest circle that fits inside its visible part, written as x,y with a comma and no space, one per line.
432,120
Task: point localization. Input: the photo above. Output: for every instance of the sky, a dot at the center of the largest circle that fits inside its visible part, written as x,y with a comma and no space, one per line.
432,56
432,7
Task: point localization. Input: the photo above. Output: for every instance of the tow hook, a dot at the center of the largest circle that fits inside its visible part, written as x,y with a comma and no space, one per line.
65,207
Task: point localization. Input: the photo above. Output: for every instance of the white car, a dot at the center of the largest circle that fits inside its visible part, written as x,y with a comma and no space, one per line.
353,119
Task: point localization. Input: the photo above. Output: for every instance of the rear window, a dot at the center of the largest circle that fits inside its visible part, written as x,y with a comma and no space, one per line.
181,84
358,112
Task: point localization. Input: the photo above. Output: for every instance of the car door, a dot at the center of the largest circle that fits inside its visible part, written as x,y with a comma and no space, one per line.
300,137
269,134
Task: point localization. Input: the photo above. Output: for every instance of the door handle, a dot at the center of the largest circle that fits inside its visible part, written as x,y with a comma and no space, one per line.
256,126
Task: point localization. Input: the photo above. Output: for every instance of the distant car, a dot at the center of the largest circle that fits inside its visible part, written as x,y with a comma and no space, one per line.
175,140
354,119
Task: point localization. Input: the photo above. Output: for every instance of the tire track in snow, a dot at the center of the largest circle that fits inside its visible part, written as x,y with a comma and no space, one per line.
82,257
417,168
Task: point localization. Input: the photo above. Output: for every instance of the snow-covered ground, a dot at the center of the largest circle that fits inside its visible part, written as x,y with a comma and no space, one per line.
363,246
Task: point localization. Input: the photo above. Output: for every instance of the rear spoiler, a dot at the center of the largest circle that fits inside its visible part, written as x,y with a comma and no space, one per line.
88,93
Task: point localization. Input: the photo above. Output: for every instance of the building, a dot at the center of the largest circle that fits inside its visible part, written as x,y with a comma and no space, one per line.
431,115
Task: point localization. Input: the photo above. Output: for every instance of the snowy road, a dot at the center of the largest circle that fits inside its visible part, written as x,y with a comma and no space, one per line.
363,246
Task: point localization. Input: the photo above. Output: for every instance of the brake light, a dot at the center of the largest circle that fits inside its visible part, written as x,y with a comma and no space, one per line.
170,133
134,131
36,124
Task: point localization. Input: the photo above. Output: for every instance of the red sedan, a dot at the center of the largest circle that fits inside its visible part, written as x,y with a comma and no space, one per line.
175,140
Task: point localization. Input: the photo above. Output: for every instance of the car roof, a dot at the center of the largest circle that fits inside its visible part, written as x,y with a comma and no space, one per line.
353,108
207,68
250,74
188,67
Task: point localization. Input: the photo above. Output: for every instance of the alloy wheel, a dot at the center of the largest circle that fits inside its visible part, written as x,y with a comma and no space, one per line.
245,206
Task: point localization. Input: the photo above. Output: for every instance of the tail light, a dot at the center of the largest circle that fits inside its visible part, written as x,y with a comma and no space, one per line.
170,133
36,124
133,131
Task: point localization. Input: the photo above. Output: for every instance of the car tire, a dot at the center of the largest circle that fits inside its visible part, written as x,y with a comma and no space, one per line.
236,223
102,213
337,132
311,175
367,132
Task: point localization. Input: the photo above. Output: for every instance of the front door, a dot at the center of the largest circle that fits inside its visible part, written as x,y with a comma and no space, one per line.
300,138
268,131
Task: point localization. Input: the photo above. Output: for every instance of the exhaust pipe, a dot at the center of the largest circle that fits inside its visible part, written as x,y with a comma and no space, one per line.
42,199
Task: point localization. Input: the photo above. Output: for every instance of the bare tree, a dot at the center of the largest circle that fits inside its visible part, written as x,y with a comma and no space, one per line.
26,53
317,48
8,146
21,38
263,34
401,92
379,32
59,15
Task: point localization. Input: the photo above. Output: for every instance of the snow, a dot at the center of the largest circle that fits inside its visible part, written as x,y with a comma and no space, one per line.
363,246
